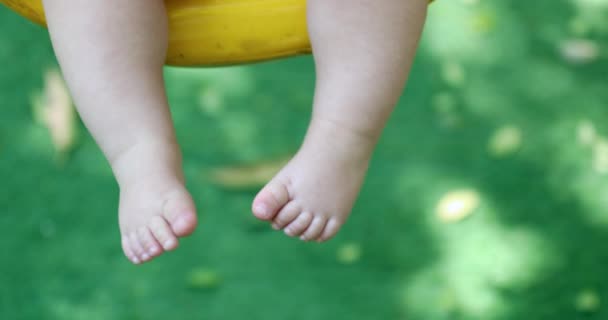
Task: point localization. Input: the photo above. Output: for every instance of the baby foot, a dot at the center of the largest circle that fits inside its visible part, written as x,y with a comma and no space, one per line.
155,207
313,195
152,216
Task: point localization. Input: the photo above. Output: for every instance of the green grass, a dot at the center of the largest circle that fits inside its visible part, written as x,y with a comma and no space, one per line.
534,249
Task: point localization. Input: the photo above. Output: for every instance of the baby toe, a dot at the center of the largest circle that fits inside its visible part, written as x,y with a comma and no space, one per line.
137,248
270,200
180,212
297,226
126,248
330,230
151,247
286,216
315,229
162,232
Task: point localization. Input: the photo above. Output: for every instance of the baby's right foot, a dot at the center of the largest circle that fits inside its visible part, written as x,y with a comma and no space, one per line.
313,195
155,207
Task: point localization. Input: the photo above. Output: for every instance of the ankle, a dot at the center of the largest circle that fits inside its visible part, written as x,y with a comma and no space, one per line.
343,131
145,160
338,136
359,132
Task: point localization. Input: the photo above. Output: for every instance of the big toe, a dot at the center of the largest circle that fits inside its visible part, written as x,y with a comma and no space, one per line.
180,212
270,200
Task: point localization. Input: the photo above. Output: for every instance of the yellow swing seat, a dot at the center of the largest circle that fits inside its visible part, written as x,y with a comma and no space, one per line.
220,32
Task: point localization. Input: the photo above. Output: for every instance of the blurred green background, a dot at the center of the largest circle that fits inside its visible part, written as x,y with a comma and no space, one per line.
487,197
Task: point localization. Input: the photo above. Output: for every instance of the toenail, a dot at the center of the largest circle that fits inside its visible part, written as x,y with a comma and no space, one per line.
181,222
261,209
153,250
185,221
275,226
169,243
303,238
145,256
135,260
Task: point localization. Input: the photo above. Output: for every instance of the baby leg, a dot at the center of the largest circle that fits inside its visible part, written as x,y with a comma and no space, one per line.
111,53
363,51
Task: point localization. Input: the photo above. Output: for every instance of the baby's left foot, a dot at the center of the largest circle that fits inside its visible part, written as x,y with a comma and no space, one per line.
313,195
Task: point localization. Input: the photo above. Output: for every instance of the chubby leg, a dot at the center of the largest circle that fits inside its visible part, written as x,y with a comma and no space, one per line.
363,51
111,53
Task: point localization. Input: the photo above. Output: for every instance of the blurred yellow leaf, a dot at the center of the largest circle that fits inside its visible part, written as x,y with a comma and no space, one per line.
587,301
457,205
586,133
505,141
53,108
484,22
579,50
203,278
349,253
248,176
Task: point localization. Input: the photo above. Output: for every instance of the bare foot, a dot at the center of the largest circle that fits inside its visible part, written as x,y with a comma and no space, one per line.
155,207
313,195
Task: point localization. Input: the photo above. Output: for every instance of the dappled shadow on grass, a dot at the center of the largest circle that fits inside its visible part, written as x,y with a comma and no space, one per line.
521,190
529,198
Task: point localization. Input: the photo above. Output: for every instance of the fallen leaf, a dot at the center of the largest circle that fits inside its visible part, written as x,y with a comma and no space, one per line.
349,253
247,176
587,300
203,278
53,108
457,205
506,140
579,50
